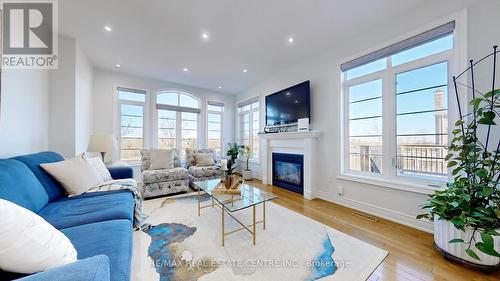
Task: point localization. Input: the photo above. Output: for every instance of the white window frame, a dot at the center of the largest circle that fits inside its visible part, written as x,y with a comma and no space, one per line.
456,59
118,125
221,114
178,118
255,154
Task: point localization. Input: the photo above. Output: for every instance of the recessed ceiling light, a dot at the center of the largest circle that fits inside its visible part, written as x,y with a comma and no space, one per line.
296,101
118,65
290,39
108,29
287,93
204,35
185,69
245,70
220,87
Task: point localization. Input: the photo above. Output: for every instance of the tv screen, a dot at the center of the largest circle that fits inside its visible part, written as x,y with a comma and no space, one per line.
288,105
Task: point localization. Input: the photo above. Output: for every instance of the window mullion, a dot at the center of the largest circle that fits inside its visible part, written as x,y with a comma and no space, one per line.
178,130
389,122
250,128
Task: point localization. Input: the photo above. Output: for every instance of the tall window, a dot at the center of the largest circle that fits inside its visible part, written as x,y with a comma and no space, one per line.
365,126
248,113
131,107
396,108
215,111
178,116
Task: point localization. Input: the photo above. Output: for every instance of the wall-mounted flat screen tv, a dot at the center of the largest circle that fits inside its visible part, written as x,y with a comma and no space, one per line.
288,105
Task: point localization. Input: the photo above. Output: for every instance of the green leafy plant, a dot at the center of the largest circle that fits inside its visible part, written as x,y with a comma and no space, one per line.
472,199
233,151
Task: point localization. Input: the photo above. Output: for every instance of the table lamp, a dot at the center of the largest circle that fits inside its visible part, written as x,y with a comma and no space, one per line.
102,144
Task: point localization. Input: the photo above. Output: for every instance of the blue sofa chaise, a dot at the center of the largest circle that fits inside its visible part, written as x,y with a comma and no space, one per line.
99,224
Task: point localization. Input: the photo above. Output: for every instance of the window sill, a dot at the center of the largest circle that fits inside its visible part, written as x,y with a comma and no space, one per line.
399,185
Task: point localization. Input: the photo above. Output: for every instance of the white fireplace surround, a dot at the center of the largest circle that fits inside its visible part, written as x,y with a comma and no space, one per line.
303,143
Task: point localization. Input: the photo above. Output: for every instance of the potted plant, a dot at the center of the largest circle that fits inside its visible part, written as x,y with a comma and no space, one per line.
232,162
247,173
466,214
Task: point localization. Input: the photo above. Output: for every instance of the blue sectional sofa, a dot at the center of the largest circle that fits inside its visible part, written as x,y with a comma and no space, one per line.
98,224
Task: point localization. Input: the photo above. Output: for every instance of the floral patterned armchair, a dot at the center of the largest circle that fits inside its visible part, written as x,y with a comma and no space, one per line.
205,172
165,181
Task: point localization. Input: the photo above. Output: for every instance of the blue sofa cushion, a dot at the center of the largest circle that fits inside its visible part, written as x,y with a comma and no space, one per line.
95,268
33,161
110,238
19,185
121,172
89,208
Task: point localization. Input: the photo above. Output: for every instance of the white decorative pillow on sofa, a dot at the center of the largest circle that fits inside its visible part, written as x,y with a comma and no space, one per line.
76,174
100,168
162,159
29,244
204,159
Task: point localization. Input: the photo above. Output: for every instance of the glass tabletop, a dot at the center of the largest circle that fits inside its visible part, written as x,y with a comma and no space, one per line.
249,196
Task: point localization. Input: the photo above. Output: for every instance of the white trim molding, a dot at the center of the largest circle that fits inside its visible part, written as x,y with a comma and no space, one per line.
303,143
391,215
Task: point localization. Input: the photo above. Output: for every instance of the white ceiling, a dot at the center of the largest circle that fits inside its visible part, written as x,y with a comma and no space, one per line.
158,38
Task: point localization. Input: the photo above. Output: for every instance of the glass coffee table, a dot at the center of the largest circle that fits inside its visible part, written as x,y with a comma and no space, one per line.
249,197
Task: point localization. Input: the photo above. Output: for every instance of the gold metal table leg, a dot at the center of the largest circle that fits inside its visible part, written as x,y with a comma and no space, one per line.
253,226
199,202
264,215
222,224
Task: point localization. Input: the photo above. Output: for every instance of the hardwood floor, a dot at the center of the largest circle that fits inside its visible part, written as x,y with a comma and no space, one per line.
411,254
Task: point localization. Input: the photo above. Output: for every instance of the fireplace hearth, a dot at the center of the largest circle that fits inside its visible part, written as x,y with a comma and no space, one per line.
288,171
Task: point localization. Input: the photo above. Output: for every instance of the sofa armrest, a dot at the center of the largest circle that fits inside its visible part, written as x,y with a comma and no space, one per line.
95,268
121,172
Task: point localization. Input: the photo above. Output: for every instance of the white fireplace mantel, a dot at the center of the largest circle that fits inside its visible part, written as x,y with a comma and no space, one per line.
303,143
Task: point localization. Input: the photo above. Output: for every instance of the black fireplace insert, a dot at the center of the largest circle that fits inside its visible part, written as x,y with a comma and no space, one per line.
288,171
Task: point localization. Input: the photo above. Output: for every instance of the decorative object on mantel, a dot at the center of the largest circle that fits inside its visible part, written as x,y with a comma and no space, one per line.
102,144
467,214
303,125
247,173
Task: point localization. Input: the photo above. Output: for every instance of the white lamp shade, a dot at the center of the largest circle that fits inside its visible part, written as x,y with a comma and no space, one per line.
102,143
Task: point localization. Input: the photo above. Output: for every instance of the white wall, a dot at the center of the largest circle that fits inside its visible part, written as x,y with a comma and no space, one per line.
70,101
62,100
323,72
106,109
24,112
83,95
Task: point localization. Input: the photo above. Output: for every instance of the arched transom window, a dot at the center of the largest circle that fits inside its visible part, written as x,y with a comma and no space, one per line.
178,120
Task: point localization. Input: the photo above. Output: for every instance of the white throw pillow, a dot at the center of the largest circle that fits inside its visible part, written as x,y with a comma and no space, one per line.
204,159
76,174
162,159
28,243
100,168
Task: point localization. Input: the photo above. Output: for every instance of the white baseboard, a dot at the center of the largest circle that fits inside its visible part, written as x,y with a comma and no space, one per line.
387,214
